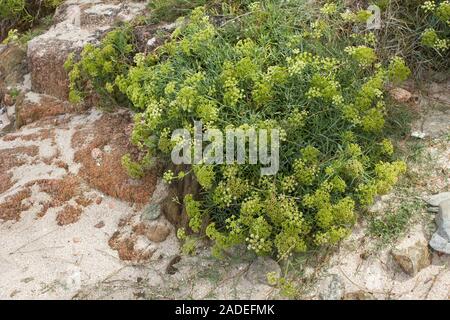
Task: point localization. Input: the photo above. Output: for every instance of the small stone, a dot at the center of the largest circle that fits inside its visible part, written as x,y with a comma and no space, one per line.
172,210
418,134
157,232
27,280
8,100
400,95
359,295
171,269
13,66
76,240
412,253
257,273
441,238
151,212
435,200
151,42
96,154
100,225
332,288
107,149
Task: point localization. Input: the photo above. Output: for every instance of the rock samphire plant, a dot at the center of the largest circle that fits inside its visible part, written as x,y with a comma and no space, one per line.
281,65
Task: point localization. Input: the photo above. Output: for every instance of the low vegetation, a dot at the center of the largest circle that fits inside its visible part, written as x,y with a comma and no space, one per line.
21,15
312,71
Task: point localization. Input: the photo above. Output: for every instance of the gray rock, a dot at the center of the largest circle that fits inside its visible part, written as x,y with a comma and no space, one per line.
433,209
437,199
440,244
151,212
332,288
257,273
161,192
441,238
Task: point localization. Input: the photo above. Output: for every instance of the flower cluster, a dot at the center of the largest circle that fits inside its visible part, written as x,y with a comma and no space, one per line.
437,36
205,175
168,176
359,16
441,10
329,8
365,56
428,6
194,213
386,176
431,39
398,71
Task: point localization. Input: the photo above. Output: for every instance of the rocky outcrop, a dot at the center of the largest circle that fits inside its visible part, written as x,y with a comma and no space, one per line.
61,178
78,23
102,169
32,106
54,155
